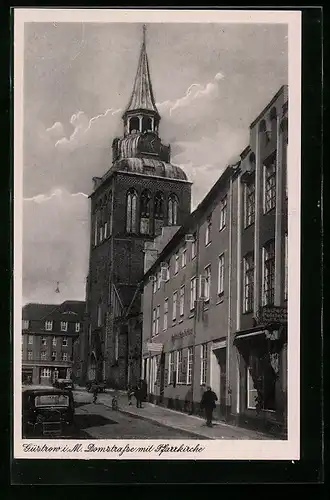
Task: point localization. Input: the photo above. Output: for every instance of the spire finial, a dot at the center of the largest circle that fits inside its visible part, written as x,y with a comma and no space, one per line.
144,29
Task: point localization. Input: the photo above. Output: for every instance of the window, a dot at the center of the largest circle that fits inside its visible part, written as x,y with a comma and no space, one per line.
223,213
171,368
54,356
105,230
249,204
25,324
65,342
176,264
270,186
286,268
182,300
179,367
158,280
145,212
172,210
99,315
64,326
221,274
268,273
30,339
175,300
193,292
184,257
131,211
193,248
54,341
154,284
207,289
154,322
190,364
43,355
43,341
248,283
65,356
96,228
30,355
165,314
77,327
157,319
159,206
101,234
208,230
49,326
45,372
203,363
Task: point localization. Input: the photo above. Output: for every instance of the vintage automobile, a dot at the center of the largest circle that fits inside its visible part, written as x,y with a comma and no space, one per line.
93,383
63,383
47,412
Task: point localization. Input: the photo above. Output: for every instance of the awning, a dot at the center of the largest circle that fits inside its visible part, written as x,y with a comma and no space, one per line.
248,333
220,344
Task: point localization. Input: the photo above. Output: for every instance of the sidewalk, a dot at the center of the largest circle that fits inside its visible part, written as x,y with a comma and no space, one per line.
176,420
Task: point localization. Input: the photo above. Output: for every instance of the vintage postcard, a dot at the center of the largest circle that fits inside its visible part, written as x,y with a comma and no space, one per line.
157,234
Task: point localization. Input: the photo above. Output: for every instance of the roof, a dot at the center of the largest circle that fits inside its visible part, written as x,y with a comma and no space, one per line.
142,95
35,311
192,220
150,166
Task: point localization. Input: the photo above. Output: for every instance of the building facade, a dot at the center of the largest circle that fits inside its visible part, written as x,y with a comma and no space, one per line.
137,196
49,333
215,297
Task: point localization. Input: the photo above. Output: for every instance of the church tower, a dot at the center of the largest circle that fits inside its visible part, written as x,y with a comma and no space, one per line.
140,193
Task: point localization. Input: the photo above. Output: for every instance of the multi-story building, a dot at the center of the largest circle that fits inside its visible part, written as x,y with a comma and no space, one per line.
215,297
48,336
141,192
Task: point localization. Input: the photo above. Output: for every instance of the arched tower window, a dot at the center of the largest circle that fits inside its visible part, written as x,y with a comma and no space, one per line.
158,212
146,124
145,212
159,205
131,211
134,124
173,210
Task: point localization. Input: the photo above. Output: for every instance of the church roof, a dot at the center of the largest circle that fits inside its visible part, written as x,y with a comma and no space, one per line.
142,96
150,166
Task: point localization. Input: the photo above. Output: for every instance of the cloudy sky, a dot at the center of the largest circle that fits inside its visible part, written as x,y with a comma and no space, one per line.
210,81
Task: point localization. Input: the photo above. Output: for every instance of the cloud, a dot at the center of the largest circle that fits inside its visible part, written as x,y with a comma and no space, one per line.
55,246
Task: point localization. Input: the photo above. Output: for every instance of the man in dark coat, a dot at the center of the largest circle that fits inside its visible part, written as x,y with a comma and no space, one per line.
208,404
138,396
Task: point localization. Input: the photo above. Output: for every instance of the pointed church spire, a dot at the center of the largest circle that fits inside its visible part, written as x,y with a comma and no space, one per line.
142,97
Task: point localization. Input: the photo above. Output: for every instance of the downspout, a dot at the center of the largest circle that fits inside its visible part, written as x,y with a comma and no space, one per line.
228,395
197,302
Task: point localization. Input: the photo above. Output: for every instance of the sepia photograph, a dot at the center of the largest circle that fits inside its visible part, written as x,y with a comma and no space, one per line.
157,225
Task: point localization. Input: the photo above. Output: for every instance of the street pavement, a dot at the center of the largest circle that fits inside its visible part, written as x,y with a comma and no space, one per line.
151,421
98,421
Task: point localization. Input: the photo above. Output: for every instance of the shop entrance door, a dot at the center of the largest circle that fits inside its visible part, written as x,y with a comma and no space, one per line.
221,357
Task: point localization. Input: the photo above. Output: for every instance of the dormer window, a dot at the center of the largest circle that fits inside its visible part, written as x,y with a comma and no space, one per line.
77,327
25,324
64,326
48,326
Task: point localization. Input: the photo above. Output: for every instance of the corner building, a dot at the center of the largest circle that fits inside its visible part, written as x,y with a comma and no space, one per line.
215,296
140,193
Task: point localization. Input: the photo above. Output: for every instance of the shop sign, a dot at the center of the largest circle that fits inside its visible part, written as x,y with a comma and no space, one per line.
182,334
274,314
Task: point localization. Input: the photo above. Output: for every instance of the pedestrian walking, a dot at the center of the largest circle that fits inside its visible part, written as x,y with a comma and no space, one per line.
144,389
130,393
95,391
208,404
138,396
